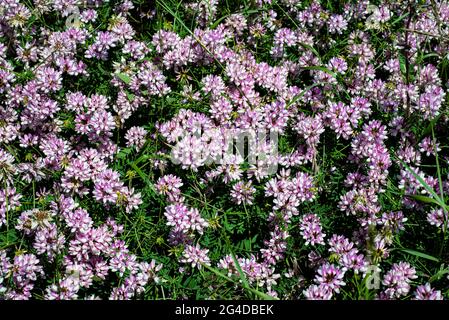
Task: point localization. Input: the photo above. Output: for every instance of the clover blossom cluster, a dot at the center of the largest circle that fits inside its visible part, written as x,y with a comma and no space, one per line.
299,145
397,280
89,253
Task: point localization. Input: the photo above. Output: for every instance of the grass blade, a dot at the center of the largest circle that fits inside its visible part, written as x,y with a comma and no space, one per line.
420,254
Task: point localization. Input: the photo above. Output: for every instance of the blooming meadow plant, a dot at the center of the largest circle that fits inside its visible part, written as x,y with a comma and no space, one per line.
219,149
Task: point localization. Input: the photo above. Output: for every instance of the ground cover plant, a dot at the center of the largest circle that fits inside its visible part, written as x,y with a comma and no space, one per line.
220,149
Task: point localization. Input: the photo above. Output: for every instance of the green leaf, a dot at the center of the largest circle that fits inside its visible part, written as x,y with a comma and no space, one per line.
299,96
423,198
428,129
439,274
216,23
256,292
123,153
420,254
124,77
400,18
143,176
308,47
320,68
239,269
402,64
428,188
8,238
130,96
